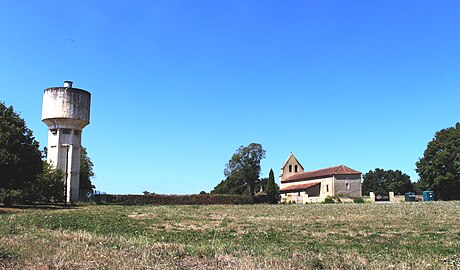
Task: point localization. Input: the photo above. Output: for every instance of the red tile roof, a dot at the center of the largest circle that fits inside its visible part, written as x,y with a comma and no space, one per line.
336,170
299,187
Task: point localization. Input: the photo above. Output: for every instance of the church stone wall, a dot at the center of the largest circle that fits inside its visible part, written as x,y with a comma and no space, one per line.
353,188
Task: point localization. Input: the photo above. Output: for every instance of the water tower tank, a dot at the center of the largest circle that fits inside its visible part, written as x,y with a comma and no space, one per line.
66,106
66,111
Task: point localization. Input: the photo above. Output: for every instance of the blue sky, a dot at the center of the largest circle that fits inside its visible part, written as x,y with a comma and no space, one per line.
178,86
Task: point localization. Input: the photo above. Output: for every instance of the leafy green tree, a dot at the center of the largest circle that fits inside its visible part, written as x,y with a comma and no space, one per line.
439,168
221,188
20,157
242,171
245,164
234,185
382,181
49,187
86,171
271,188
231,185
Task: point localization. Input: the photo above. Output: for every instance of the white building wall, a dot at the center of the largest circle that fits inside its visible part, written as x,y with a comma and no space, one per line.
326,185
327,188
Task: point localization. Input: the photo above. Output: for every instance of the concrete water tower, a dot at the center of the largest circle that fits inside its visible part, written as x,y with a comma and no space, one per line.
66,113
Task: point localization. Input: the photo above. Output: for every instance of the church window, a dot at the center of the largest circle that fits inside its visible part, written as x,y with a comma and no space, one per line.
295,168
53,131
290,168
347,186
327,188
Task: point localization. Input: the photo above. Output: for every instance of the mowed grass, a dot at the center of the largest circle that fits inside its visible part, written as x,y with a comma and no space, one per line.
340,236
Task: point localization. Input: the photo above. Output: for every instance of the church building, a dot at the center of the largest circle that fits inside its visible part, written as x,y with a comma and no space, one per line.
307,187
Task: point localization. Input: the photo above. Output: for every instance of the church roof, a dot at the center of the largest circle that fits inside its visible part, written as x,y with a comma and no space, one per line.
287,160
299,187
336,170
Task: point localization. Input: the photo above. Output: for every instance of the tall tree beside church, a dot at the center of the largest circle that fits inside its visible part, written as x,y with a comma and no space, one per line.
242,170
20,157
271,188
245,165
439,168
86,171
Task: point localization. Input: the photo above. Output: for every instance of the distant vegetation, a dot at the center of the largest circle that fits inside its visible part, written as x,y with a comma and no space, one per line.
382,181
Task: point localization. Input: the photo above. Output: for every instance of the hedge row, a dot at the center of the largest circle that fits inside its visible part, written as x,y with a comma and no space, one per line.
158,199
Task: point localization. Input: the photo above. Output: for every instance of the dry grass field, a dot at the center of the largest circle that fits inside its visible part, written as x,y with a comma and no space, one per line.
339,236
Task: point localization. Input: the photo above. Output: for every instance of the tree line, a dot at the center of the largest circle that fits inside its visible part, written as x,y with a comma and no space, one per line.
25,177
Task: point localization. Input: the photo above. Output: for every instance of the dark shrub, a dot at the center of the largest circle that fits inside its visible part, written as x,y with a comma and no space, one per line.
262,199
328,199
11,197
358,200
